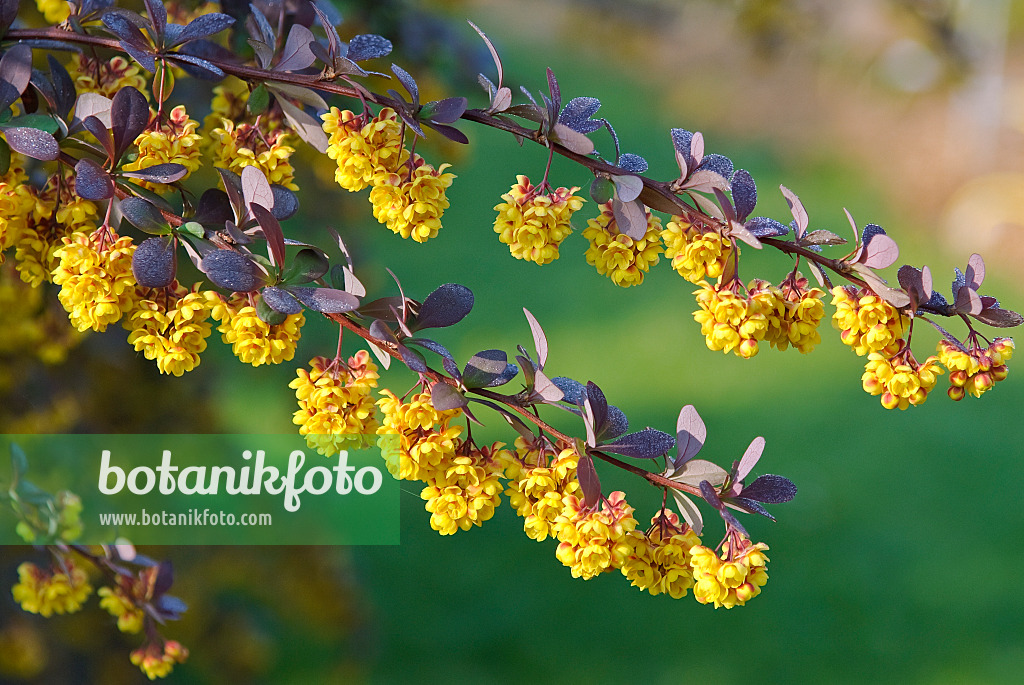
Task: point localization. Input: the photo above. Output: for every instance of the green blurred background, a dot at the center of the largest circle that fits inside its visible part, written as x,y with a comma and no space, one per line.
898,561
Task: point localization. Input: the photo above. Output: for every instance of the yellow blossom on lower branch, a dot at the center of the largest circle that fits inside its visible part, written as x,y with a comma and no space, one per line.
695,254
976,370
170,326
901,381
94,273
615,254
411,204
158,661
336,410
121,606
537,486
534,223
660,558
235,147
466,493
426,443
867,322
16,203
363,146
731,579
592,541
51,592
253,340
55,214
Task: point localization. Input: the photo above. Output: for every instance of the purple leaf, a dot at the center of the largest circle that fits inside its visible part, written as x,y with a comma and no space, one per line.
296,55
325,300
749,506
412,359
744,194
158,17
203,26
572,140
144,216
577,112
763,227
1000,318
598,405
632,163
646,444
271,230
407,81
197,66
717,164
770,489
490,46
968,301
540,341
444,397
155,262
484,367
690,435
92,181
707,491
682,141
230,270
797,209
280,300
168,172
33,143
120,23
975,273
590,484
631,218
880,250
689,511
129,116
750,458
437,348
573,391
446,306
697,148
628,188
368,46
544,387
15,74
445,111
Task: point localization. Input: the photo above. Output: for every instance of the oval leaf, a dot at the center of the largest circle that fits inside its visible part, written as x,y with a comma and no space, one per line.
281,300
155,262
750,457
92,181
230,270
696,470
444,397
326,300
690,435
33,143
770,489
446,306
646,444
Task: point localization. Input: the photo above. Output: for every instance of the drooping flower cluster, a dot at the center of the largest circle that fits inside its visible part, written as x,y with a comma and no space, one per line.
119,603
616,255
696,254
168,140
733,578
106,77
363,147
660,559
730,322
593,541
170,326
16,203
55,214
156,660
48,592
538,483
793,312
900,380
533,223
465,493
94,272
426,443
336,408
976,370
868,323
253,340
238,145
410,204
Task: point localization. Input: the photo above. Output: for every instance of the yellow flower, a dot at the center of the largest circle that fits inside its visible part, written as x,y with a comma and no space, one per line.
465,494
119,605
901,381
618,256
105,77
95,275
427,443
732,579
16,203
411,206
593,541
56,213
536,487
533,223
730,322
336,410
235,147
660,559
695,254
47,593
976,370
54,11
253,340
173,141
156,661
868,323
364,147
169,325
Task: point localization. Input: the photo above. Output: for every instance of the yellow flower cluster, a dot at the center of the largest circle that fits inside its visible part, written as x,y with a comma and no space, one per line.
592,541
976,370
54,11
229,101
660,560
235,147
534,223
536,487
618,256
793,313
364,147
728,321
411,205
336,410
901,381
16,203
465,494
158,662
172,140
695,254
734,578
868,323
121,606
94,273
169,325
56,213
253,340
51,592
426,443
105,77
